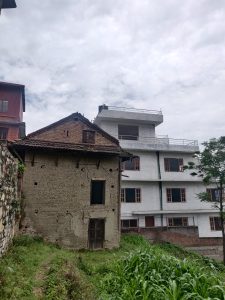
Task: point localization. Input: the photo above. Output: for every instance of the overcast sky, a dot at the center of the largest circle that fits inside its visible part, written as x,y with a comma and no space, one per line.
154,54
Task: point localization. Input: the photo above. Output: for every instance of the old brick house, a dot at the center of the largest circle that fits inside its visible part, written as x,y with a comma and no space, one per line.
72,183
12,106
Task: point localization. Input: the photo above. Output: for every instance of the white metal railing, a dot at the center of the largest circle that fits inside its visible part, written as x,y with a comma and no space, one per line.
159,140
131,109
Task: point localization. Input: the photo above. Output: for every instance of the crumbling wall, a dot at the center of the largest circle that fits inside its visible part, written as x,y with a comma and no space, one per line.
8,196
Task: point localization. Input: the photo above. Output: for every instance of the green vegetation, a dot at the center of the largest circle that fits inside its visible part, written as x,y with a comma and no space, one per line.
137,270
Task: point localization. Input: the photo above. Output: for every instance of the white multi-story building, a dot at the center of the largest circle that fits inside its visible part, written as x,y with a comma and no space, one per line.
155,191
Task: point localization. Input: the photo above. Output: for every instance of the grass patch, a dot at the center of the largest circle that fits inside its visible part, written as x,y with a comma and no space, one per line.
137,270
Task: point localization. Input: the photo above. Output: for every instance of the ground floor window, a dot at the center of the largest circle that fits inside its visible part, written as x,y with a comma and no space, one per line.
130,223
215,223
177,222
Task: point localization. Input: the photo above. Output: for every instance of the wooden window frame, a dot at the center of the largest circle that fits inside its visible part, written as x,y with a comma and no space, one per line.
129,221
4,106
88,139
210,192
167,164
184,220
215,225
135,163
137,195
170,196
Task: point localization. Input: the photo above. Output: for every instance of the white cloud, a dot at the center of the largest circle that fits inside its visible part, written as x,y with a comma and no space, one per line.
74,55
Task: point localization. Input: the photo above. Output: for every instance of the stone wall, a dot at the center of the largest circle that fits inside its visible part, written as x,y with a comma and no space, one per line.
8,196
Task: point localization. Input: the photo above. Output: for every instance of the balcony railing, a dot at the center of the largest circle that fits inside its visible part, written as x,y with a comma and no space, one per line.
159,140
131,109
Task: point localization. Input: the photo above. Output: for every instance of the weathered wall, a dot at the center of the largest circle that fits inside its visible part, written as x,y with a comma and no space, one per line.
57,197
8,197
187,236
70,132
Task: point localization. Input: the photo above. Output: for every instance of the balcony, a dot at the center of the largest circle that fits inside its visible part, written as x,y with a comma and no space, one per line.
158,143
132,115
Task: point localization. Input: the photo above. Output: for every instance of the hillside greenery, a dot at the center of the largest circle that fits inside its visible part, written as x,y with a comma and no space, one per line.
33,269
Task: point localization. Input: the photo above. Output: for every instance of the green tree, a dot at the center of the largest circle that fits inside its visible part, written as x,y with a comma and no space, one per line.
210,166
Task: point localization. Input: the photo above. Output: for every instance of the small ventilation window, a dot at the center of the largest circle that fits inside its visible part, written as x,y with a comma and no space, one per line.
89,136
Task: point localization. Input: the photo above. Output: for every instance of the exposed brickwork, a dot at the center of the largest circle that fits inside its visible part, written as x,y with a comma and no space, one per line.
57,197
180,236
70,132
8,197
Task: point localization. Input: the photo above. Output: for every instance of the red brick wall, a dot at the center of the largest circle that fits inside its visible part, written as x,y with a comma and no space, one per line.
14,109
74,128
14,113
183,237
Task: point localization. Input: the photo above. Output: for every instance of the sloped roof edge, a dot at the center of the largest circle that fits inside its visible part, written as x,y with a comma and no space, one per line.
74,116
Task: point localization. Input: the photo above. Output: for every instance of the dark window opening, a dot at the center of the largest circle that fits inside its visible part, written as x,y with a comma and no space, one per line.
89,136
128,132
131,164
214,194
215,223
3,133
179,222
96,233
173,164
130,223
131,195
3,105
176,195
97,192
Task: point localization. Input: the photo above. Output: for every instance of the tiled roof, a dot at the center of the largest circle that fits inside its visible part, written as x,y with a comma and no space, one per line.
40,144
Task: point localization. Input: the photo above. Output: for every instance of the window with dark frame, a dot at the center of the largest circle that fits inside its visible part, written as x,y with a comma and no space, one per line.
176,195
3,105
130,223
173,164
214,194
178,222
128,132
97,192
215,223
88,136
3,133
131,195
132,164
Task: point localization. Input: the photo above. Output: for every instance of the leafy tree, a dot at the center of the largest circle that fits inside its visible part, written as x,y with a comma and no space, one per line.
210,167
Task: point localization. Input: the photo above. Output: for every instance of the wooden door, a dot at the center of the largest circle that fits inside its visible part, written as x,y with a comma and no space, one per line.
149,221
96,233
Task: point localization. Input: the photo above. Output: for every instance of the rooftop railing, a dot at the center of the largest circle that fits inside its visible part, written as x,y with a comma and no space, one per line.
159,140
130,109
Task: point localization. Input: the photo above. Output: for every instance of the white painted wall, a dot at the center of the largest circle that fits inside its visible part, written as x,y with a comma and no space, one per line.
148,168
204,226
149,198
192,200
177,176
